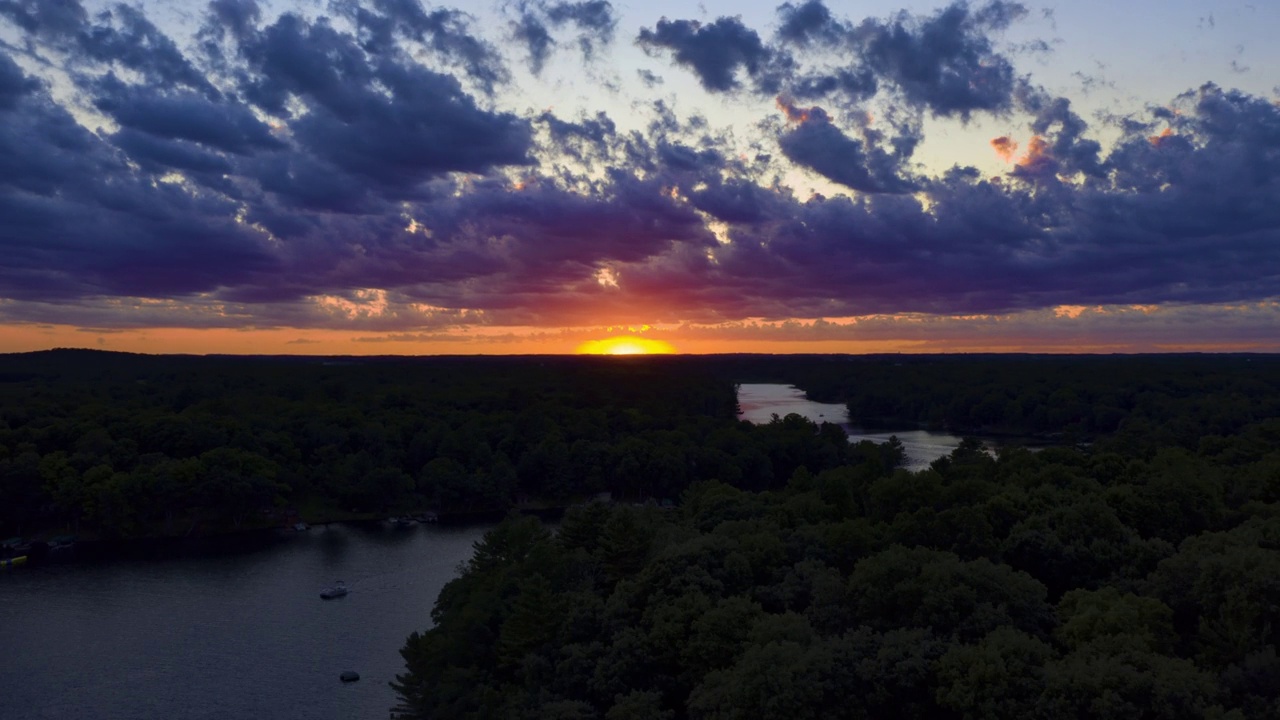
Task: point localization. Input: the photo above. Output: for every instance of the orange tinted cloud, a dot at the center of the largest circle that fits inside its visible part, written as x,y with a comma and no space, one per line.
1036,150
795,114
1038,162
1005,147
1157,140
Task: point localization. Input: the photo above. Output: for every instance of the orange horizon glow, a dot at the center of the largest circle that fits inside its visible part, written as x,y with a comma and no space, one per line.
625,345
1061,333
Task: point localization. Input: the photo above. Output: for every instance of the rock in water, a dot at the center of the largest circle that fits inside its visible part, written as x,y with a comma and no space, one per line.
349,676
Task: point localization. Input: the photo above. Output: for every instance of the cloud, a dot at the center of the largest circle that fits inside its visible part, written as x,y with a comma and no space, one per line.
945,63
445,32
45,18
370,171
14,84
715,52
1053,115
224,125
120,36
594,19
238,17
533,32
819,145
810,23
383,120
81,221
1005,147
649,78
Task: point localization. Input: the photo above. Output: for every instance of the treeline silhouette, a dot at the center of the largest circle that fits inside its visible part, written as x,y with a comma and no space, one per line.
124,446
1067,583
1132,571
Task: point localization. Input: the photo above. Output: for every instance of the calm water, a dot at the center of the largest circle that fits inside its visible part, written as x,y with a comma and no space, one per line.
243,633
237,634
760,401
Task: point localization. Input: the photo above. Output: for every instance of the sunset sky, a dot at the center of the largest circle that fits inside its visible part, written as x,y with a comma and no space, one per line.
396,177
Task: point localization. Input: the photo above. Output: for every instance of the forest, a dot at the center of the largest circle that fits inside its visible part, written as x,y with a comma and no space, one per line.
711,568
116,446
1135,576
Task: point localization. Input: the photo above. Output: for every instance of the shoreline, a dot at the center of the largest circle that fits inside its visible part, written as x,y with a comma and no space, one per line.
90,548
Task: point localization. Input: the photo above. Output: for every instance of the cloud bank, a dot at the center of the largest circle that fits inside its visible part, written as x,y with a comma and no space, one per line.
367,168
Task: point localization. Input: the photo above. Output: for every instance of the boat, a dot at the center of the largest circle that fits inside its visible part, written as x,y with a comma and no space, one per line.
336,590
14,562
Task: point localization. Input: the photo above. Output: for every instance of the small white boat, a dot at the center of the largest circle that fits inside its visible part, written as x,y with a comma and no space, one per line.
336,590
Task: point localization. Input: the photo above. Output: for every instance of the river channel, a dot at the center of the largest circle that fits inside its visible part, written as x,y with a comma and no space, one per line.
760,401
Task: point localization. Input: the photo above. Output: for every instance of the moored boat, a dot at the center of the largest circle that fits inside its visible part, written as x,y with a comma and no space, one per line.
336,590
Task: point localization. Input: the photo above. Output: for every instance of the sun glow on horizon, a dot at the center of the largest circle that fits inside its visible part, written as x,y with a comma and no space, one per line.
625,345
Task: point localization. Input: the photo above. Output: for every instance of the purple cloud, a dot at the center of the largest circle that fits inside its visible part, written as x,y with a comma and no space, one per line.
361,171
715,52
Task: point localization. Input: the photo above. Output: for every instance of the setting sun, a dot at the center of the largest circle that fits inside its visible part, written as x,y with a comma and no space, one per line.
625,345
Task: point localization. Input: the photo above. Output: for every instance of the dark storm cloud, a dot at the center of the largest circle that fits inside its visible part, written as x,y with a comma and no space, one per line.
946,62
810,23
157,154
1177,216
1053,116
238,17
736,201
277,160
446,32
121,35
80,221
426,127
392,122
589,140
819,145
857,85
45,18
14,84
88,214
715,52
561,232
224,125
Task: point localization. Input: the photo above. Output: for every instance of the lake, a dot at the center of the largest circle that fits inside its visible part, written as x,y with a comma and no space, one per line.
760,401
240,632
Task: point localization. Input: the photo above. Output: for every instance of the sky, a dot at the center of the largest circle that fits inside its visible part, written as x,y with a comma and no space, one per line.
396,177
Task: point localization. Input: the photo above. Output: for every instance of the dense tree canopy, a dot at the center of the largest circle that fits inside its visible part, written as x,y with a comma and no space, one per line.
1130,571
1135,577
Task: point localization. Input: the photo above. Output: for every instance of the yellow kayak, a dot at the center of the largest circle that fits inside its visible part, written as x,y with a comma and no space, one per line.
14,562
